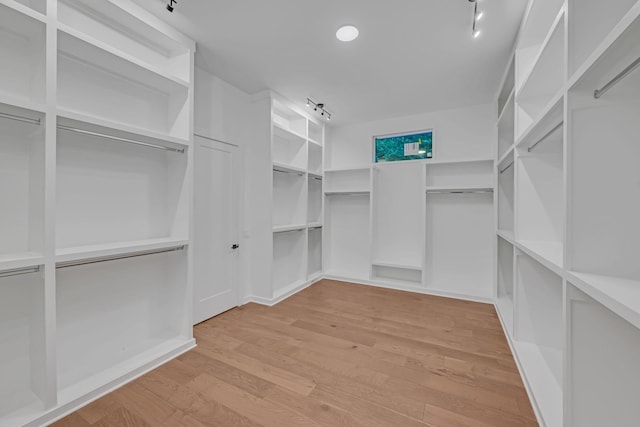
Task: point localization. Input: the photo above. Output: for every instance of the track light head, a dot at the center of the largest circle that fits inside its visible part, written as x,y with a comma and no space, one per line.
318,106
170,5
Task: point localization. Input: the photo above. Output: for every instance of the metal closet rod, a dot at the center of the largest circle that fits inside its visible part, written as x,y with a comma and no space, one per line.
317,178
288,172
19,271
20,118
460,192
614,81
119,139
546,135
507,167
117,257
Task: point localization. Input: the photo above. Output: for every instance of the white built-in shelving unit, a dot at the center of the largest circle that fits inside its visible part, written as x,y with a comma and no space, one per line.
568,287
95,169
410,224
294,142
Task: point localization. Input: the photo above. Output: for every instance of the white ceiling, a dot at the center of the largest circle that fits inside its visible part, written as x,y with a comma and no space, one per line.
411,56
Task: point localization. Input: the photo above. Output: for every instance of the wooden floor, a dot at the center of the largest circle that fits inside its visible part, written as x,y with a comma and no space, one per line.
336,354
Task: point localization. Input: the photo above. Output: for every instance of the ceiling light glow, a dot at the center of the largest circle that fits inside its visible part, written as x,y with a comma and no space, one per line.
347,33
476,34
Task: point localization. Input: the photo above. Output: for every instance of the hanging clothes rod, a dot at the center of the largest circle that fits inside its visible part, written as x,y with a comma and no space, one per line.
460,191
287,171
20,118
117,257
317,178
119,139
614,81
347,193
508,166
19,271
546,135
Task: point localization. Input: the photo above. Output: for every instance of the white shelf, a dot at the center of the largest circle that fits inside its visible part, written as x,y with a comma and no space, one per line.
551,115
80,253
507,235
20,260
286,228
22,103
338,170
281,167
102,125
313,143
403,266
547,391
315,174
65,29
286,118
312,225
288,134
508,154
549,254
35,9
620,295
146,41
459,161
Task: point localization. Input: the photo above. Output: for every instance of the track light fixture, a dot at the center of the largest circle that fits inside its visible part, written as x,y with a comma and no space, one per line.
319,106
170,5
475,32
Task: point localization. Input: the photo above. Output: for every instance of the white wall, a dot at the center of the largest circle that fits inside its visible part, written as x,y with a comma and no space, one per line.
466,133
220,109
221,114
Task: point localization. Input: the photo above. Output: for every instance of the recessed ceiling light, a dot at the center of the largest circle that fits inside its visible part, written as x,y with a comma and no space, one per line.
347,33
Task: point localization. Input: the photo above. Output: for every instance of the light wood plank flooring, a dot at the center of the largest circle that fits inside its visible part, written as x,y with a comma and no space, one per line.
335,354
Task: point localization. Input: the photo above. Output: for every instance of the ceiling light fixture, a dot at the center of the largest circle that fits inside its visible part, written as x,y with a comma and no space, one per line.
477,15
347,33
319,106
170,5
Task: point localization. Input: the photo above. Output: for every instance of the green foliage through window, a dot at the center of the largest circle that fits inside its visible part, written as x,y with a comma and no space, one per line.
415,146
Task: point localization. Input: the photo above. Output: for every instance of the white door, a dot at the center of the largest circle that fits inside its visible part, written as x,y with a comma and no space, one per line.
215,240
